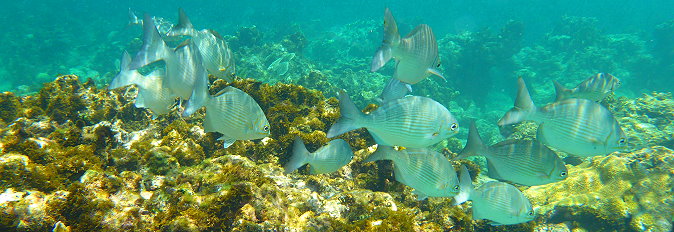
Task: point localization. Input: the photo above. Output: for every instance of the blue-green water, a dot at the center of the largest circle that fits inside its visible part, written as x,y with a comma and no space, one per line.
483,46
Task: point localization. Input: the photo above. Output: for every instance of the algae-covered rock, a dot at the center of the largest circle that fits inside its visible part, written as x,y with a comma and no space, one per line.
622,191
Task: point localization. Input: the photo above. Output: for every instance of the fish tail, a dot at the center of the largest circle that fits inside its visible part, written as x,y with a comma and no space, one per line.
298,157
465,187
154,48
144,93
133,19
200,95
125,76
350,116
562,92
474,145
184,26
380,154
523,109
391,39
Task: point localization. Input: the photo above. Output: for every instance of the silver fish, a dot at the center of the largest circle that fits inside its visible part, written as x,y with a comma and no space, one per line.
425,170
280,66
523,162
329,158
416,55
163,26
216,56
181,64
499,202
188,67
151,92
412,121
594,88
394,89
232,112
576,126
184,26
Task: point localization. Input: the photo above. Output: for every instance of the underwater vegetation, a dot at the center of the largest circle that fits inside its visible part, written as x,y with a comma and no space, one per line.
78,157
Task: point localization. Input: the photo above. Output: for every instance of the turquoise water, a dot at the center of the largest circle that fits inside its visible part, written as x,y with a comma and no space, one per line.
483,47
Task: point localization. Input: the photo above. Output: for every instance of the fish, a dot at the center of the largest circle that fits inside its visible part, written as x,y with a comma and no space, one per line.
184,26
153,49
416,55
215,53
188,69
412,121
181,63
217,57
499,202
329,158
232,113
425,170
280,66
576,126
151,92
394,89
525,162
594,88
163,26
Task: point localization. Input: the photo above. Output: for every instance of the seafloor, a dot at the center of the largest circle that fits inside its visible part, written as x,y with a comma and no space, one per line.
88,158
76,153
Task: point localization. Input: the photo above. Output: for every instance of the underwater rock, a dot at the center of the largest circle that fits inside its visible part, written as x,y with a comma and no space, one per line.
622,191
110,166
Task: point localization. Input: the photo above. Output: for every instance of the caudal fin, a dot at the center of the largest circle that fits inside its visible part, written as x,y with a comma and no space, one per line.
523,109
350,116
154,48
298,157
562,92
391,39
125,76
382,153
200,95
184,26
474,145
465,185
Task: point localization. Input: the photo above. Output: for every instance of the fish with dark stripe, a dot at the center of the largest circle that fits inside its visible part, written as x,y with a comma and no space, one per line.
525,162
411,121
594,88
576,126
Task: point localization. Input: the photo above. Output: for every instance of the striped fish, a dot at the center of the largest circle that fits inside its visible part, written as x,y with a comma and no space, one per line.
232,113
393,90
576,126
412,121
188,68
416,55
217,56
499,202
151,91
329,158
594,88
425,170
523,162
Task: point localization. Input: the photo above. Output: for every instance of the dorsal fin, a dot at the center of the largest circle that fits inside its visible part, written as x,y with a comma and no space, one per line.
184,26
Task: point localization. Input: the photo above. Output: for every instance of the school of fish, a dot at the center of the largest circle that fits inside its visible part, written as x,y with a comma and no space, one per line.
403,126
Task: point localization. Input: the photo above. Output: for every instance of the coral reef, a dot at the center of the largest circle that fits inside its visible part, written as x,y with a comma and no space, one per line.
127,171
623,192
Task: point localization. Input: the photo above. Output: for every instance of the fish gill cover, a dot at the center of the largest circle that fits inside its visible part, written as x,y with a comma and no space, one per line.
80,152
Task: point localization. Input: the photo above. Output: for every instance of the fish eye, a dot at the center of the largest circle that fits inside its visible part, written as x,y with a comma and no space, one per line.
621,140
454,126
562,174
531,213
456,187
266,128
